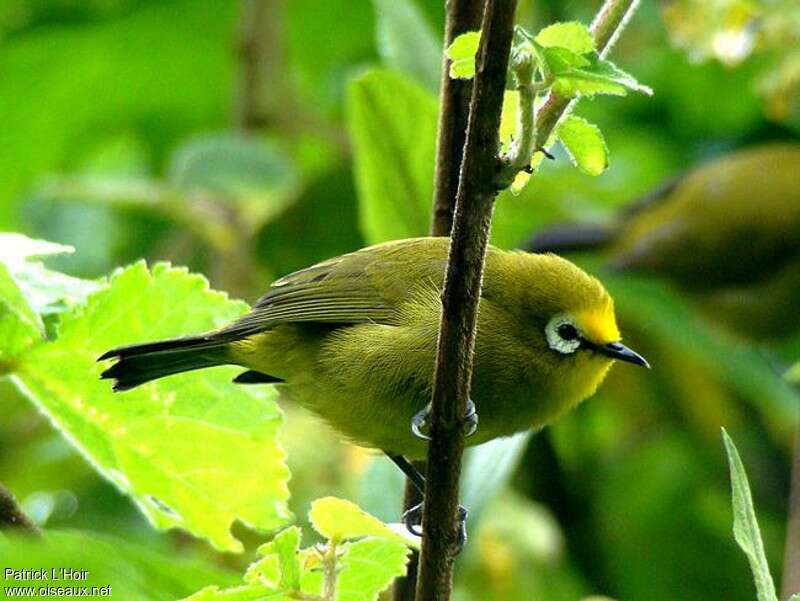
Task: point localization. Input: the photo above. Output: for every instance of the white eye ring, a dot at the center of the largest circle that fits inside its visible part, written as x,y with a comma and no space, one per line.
556,341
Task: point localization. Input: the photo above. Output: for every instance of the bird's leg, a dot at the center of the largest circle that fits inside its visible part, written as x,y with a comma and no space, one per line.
412,518
420,419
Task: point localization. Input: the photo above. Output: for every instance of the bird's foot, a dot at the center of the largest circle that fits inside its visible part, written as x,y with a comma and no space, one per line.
420,420
412,519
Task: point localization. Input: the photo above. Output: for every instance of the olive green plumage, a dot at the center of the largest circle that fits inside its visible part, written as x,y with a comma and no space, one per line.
354,340
727,232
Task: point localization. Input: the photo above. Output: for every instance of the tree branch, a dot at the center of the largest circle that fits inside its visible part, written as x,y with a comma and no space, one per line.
12,518
460,16
460,298
453,371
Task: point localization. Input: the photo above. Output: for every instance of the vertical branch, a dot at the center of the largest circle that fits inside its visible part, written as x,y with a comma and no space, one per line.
261,65
453,371
12,518
460,16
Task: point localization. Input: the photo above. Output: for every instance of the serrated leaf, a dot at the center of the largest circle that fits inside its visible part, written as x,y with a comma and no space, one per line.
392,124
406,41
462,55
571,35
368,567
185,448
745,524
584,143
338,520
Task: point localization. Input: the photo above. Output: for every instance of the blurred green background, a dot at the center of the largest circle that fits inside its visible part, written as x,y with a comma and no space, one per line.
163,129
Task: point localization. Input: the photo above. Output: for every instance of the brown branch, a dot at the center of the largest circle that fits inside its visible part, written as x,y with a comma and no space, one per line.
462,16
12,518
453,371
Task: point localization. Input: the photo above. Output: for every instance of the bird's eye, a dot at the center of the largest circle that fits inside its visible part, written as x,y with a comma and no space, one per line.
562,334
568,332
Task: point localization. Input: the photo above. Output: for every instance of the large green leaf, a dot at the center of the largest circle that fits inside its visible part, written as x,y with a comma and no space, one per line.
745,524
406,41
193,450
392,123
368,567
20,326
130,570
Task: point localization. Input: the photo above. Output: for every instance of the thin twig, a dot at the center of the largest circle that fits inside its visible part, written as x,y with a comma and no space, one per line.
12,518
453,371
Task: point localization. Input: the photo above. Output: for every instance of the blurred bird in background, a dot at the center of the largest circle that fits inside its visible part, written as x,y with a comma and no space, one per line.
727,233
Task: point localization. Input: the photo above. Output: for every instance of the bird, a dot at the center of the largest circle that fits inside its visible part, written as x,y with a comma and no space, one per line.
354,340
726,233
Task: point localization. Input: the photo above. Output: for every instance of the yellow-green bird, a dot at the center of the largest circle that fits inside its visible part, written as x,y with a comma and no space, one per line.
353,339
727,233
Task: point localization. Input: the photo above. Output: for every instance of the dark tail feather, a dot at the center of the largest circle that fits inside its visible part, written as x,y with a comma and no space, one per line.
141,363
570,237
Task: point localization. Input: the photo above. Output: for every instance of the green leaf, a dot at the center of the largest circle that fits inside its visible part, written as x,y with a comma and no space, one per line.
588,75
462,55
793,373
584,143
132,571
20,326
45,291
509,118
284,547
745,524
247,171
338,520
406,41
571,35
368,567
185,448
392,124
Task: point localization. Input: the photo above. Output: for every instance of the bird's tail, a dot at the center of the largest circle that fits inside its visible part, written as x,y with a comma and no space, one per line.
571,237
141,363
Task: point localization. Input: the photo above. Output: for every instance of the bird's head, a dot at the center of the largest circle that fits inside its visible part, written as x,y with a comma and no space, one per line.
570,313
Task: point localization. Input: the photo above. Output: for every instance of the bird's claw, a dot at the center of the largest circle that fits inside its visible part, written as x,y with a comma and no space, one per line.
412,519
470,419
419,421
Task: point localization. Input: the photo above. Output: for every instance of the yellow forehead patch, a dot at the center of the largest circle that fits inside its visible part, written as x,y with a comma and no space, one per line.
598,324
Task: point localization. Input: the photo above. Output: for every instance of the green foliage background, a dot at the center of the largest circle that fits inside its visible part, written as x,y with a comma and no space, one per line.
119,139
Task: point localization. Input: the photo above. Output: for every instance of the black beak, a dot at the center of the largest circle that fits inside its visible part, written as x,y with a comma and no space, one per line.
619,351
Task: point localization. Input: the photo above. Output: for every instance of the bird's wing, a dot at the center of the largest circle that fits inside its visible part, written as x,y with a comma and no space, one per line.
365,286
